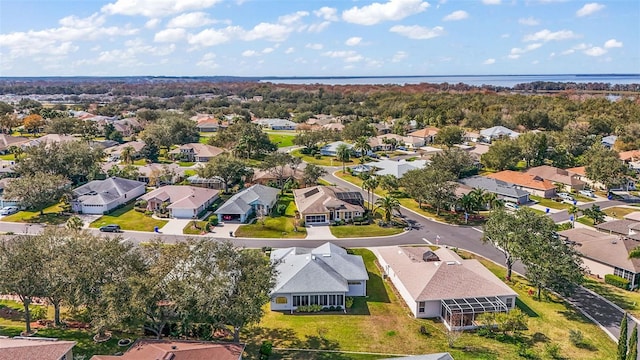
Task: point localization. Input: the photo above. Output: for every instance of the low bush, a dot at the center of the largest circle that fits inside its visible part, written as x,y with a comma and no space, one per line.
281,209
616,281
309,308
213,220
348,302
576,337
38,313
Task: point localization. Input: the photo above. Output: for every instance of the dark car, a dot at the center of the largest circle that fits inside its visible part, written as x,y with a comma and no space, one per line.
111,228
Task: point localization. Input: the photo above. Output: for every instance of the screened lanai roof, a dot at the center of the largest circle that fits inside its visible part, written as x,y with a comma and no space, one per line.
474,305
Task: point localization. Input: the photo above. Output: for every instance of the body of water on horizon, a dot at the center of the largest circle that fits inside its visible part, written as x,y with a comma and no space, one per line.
473,80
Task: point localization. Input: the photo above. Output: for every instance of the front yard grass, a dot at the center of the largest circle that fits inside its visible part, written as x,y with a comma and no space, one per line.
585,221
129,219
276,226
619,212
323,161
199,228
52,216
381,323
371,230
550,203
282,140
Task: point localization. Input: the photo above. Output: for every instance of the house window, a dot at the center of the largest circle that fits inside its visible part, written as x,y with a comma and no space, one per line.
332,300
313,300
296,300
421,306
347,215
509,303
354,282
324,300
340,300
281,300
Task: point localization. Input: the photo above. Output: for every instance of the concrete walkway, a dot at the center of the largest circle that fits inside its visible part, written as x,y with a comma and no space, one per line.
318,232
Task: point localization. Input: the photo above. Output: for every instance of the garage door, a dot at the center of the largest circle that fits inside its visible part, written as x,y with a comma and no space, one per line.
315,219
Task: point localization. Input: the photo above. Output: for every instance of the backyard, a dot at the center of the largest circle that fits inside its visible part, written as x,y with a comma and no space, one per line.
129,219
381,325
52,215
275,225
282,140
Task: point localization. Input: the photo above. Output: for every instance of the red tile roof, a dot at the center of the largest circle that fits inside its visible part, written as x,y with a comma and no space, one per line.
178,350
522,179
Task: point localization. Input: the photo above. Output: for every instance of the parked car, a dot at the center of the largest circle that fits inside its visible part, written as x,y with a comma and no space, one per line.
111,228
588,193
511,206
565,196
8,210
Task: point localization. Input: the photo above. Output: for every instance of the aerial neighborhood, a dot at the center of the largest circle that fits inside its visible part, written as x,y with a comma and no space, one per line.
255,221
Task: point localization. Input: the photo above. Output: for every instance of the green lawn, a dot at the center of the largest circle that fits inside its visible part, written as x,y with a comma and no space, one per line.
129,219
204,138
381,324
582,198
627,300
186,163
619,212
8,157
371,230
52,216
198,229
323,161
550,203
275,226
585,220
282,140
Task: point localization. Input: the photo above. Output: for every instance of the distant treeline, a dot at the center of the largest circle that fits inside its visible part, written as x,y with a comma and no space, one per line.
563,86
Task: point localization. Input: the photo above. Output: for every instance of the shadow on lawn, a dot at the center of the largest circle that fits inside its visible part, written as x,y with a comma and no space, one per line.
525,308
376,290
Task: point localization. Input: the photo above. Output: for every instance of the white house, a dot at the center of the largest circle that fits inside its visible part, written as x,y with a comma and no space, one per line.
440,284
276,124
182,202
322,276
331,149
497,132
248,201
102,196
396,168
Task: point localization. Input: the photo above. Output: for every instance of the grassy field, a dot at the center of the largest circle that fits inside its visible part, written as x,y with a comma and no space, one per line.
129,219
199,229
627,300
550,203
323,161
276,226
354,231
381,323
282,140
52,216
619,212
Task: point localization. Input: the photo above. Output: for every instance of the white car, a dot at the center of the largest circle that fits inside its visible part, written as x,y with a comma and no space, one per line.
8,210
511,206
588,193
565,196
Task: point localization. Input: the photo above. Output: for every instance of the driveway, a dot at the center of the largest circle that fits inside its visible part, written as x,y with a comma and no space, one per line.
319,232
175,226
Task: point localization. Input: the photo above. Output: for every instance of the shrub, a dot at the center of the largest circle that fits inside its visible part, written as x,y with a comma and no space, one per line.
616,281
576,338
38,313
338,308
213,220
265,350
318,157
281,209
332,308
553,350
348,302
148,212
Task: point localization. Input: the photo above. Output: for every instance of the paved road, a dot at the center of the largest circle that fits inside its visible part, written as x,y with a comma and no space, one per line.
464,237
564,215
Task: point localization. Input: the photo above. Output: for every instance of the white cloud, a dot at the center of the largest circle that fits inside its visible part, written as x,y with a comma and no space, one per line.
290,50
268,31
208,61
353,41
344,54
417,32
268,50
575,48
249,53
489,62
291,19
314,46
152,23
399,56
546,35
491,2
318,27
210,37
170,35
456,15
530,21
376,12
595,51
612,43
505,36
190,20
589,9
327,13
156,8
516,52
354,58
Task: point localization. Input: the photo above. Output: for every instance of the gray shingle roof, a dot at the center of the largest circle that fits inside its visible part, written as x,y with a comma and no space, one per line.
100,192
240,203
498,187
327,268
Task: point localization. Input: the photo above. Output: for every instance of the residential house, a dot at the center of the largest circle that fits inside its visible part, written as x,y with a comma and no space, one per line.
503,190
534,184
497,132
215,182
323,276
604,254
396,168
115,152
8,141
49,139
156,174
631,158
427,134
102,196
252,200
382,128
196,152
211,125
609,141
24,348
331,149
333,126
324,204
471,136
127,127
580,173
276,124
148,349
6,202
569,181
386,142
265,177
182,202
448,287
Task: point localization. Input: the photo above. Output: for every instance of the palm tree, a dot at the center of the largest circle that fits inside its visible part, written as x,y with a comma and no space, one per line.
343,153
467,202
388,204
573,210
127,154
478,196
491,199
371,184
362,146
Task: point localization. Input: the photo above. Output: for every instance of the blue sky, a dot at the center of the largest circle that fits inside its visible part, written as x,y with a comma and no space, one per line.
317,37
